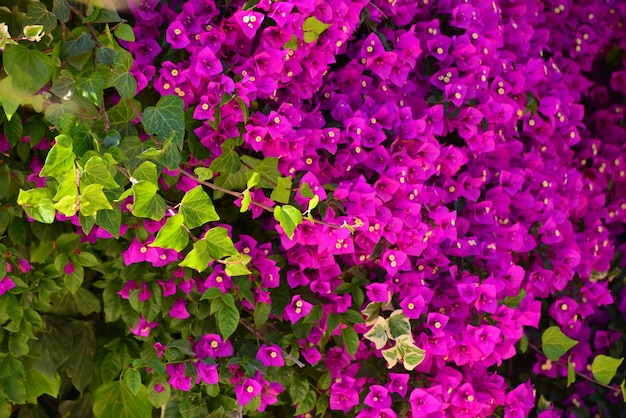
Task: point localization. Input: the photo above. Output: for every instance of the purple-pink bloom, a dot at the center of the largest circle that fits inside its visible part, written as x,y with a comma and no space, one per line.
6,284
143,327
207,373
297,309
179,310
270,356
211,345
177,379
247,390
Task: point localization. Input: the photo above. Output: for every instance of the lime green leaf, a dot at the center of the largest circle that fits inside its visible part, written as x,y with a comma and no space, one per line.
261,313
604,368
313,28
267,168
166,119
148,204
555,343
227,319
147,171
97,171
350,339
254,180
132,378
245,201
114,399
67,205
623,388
172,235
413,358
198,258
203,173
60,159
282,192
378,333
197,208
289,218
236,265
125,32
219,243
313,203
398,324
93,199
292,43
37,204
571,372
31,69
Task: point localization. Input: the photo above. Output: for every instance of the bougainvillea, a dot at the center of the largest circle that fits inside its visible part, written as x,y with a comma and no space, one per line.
330,207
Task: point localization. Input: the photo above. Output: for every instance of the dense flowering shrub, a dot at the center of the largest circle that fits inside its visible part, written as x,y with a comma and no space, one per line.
334,207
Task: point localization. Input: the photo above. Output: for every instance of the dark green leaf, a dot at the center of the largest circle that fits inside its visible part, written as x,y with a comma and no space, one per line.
63,86
227,319
13,130
298,389
61,8
81,367
38,383
114,399
110,220
261,313
38,14
350,339
308,403
106,56
73,47
166,119
132,378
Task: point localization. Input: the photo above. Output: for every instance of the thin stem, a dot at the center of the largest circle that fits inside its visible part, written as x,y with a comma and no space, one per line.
584,376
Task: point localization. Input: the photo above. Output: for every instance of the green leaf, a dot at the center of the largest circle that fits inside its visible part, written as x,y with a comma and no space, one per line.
106,56
97,171
289,218
267,169
147,171
148,204
604,368
38,14
81,367
37,204
212,293
61,8
378,333
12,379
622,386
159,399
197,208
198,258
244,109
313,28
166,119
555,343
261,313
308,403
203,173
282,192
125,32
60,159
93,199
227,319
114,399
398,324
31,69
571,372
81,45
236,265
91,87
38,383
110,220
125,84
219,244
63,86
350,339
245,201
228,162
172,235
132,378
298,389
391,355
13,130
513,302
